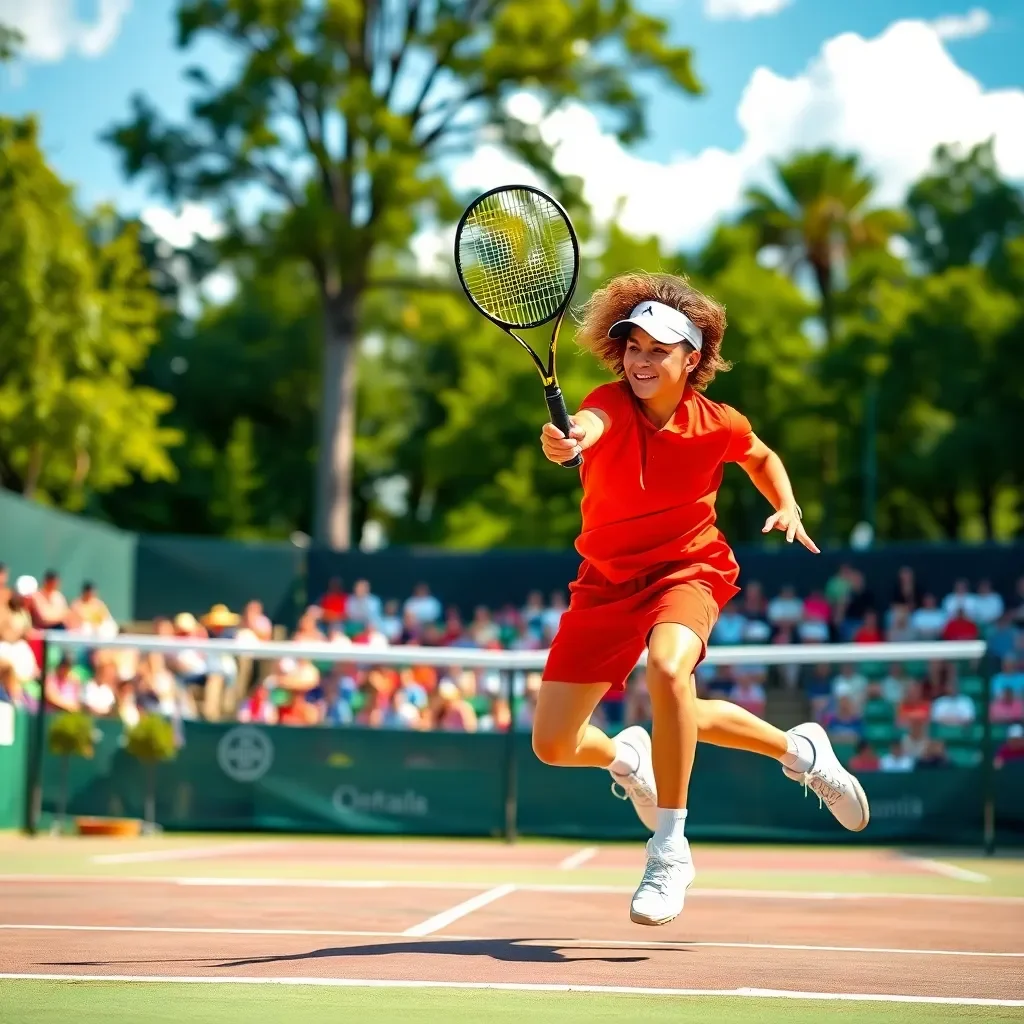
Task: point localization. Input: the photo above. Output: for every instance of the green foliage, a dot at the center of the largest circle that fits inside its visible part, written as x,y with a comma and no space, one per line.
151,740
77,318
71,735
341,113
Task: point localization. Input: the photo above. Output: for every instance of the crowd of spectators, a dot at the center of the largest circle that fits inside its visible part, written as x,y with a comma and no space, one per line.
884,716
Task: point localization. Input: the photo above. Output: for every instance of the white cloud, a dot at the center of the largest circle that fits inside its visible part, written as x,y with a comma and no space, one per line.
891,99
975,22
53,28
742,9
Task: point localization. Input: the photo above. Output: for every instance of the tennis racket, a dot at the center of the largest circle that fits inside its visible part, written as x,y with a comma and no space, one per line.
518,260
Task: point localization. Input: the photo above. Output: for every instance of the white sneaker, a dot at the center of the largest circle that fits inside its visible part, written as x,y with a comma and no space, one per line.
837,788
638,786
662,891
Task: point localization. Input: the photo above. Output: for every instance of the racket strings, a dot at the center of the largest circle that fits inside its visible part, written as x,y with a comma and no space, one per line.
517,257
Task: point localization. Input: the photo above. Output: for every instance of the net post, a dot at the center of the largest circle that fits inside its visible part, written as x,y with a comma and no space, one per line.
989,665
34,749
511,789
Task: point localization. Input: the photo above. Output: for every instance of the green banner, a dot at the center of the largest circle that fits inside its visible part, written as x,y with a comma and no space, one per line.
245,777
13,746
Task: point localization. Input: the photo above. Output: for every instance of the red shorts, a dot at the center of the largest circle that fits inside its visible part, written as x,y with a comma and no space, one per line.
604,631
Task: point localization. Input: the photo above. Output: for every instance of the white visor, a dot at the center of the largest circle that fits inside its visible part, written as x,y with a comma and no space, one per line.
663,323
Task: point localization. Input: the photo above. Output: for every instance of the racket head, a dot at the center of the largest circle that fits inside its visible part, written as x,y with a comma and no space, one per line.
517,256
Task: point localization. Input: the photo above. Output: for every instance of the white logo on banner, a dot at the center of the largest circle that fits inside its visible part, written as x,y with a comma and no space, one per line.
245,753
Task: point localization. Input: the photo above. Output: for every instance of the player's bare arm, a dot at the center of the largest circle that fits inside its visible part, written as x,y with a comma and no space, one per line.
588,427
769,476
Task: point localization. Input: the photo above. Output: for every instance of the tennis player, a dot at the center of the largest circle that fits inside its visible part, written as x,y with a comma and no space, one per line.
656,572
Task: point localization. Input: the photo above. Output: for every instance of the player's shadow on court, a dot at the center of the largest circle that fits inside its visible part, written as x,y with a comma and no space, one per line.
507,950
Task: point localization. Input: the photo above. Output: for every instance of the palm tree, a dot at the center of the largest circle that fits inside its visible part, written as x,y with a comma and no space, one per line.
820,218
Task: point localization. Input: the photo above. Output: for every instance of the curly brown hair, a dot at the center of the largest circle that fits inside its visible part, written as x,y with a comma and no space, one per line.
615,300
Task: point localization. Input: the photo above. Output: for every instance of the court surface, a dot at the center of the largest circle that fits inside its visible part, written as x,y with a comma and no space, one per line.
317,929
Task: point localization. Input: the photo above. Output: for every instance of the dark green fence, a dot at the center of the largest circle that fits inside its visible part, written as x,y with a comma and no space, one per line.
241,777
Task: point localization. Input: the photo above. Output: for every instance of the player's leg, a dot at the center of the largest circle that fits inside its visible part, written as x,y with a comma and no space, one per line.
595,650
562,733
805,753
674,650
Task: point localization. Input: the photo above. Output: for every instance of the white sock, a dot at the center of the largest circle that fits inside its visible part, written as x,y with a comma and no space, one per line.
627,759
799,755
671,822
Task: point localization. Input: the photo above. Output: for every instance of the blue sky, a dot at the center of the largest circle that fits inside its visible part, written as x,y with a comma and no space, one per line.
786,71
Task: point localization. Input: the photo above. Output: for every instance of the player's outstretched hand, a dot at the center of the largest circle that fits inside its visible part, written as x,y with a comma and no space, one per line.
788,520
559,448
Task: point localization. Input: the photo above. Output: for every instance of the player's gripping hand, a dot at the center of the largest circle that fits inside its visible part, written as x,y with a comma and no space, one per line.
559,448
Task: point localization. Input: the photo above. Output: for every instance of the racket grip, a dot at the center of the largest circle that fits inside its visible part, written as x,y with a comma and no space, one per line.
560,418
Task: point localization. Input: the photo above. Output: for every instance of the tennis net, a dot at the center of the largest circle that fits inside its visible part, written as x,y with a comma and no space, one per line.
419,740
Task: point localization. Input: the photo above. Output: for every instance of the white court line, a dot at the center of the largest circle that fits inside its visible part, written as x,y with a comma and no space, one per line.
446,917
940,867
574,860
186,853
619,990
345,883
558,942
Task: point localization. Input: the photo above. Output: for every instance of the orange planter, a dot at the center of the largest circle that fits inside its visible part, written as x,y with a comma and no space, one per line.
108,826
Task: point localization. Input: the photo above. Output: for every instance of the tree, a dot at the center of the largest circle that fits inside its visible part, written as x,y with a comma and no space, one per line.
819,218
963,212
71,734
151,740
77,317
343,111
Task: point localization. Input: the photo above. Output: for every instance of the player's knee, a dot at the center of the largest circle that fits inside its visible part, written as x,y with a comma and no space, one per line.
553,747
665,673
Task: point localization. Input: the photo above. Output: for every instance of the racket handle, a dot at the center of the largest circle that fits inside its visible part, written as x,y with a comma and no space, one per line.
560,418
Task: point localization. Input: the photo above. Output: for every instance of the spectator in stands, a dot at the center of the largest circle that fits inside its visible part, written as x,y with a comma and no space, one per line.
839,587
952,707
89,614
914,707
934,755
391,621
988,604
928,620
748,692
894,684
1012,676
916,739
423,606
1007,706
851,683
786,609
1002,638
449,711
364,607
899,629
49,607
527,705
844,722
906,594
864,759
960,627
1012,748
755,611
859,602
819,690
556,608
101,692
729,629
484,630
12,689
815,626
816,608
63,688
896,759
960,599
333,604
255,624
868,631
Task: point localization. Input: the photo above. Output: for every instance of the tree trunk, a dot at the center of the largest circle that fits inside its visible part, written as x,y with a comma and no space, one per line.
150,809
333,519
949,515
34,471
987,496
62,811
